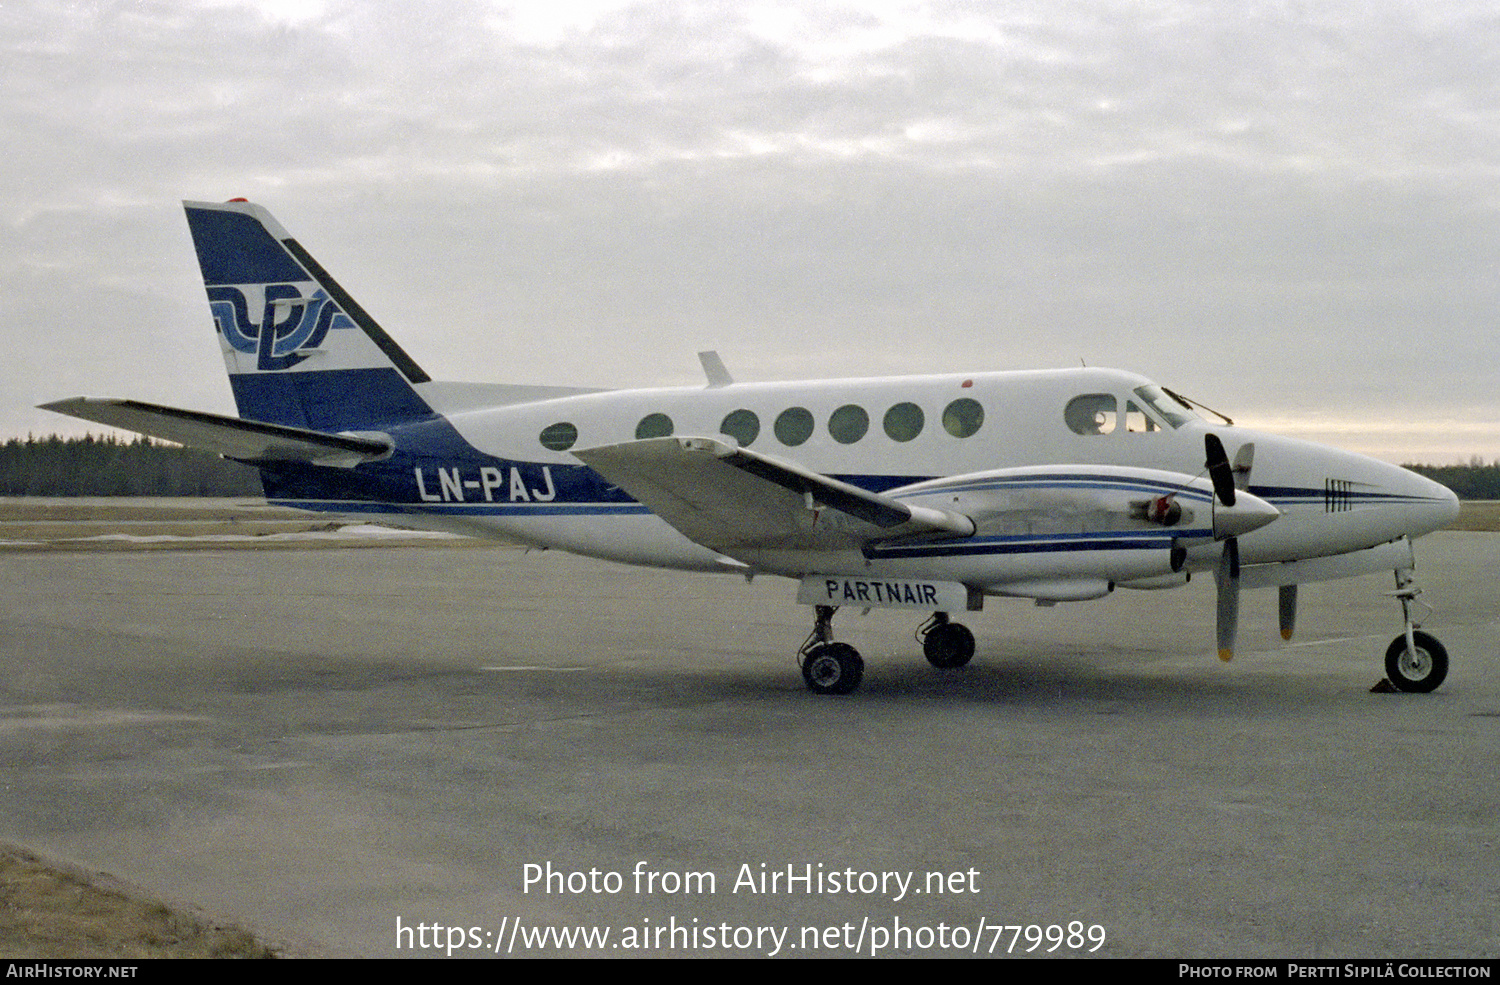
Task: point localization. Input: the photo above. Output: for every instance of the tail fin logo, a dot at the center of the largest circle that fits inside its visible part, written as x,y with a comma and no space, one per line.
290,325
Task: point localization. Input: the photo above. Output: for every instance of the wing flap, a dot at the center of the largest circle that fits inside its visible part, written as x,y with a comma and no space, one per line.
731,499
232,437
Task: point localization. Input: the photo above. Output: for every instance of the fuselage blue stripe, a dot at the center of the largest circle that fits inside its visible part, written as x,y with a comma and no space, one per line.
466,509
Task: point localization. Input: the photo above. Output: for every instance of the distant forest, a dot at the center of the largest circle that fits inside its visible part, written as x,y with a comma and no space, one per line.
1473,481
108,466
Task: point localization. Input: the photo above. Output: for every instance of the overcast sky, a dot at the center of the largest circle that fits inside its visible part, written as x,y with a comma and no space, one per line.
1289,211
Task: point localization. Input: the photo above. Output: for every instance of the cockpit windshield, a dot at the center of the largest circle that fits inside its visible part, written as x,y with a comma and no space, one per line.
1167,407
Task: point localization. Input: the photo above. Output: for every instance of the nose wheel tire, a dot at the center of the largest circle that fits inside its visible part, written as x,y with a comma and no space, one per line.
832,668
1420,670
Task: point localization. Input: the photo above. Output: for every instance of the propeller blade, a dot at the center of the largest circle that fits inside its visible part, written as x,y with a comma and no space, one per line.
1288,610
1227,581
1244,460
1219,469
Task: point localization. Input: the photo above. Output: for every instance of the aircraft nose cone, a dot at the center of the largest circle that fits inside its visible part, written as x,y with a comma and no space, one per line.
1441,507
1248,513
1416,503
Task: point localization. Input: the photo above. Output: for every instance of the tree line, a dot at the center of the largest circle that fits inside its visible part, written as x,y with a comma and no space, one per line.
110,466
1475,480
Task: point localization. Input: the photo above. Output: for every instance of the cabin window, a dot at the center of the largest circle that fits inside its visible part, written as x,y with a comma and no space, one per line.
848,424
963,417
794,426
904,422
558,437
741,425
654,426
1091,413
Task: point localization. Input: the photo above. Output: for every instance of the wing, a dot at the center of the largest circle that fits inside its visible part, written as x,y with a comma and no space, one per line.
232,437
731,500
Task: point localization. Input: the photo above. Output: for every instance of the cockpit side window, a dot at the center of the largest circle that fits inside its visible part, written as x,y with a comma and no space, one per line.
1158,401
1137,420
1091,413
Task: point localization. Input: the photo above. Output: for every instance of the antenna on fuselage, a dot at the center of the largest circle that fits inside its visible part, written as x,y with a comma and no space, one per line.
713,368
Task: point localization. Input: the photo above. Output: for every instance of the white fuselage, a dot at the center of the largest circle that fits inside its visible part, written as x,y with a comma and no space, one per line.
889,433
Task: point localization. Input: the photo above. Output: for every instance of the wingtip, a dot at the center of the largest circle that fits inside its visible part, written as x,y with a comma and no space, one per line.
70,405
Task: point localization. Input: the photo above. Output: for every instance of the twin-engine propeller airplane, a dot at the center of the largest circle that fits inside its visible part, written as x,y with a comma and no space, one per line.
928,492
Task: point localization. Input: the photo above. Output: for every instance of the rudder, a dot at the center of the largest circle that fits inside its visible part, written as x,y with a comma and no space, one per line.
299,350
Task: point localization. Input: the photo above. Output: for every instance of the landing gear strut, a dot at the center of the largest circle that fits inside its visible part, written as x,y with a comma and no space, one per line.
829,667
945,644
1414,661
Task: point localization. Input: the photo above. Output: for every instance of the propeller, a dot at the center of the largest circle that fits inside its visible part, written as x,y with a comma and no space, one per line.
1227,580
1238,477
1229,522
1219,469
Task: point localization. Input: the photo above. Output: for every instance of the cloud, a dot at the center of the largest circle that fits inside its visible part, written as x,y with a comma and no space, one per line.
1272,206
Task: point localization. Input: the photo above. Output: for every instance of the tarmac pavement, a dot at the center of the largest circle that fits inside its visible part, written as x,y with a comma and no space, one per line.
414,750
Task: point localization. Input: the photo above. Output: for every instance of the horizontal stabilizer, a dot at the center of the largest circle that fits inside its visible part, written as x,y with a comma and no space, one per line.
232,437
730,499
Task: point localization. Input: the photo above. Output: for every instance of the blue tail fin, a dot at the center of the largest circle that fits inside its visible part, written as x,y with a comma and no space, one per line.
299,350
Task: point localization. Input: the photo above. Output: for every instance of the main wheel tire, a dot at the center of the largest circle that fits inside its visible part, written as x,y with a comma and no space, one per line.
1417,672
948,645
833,668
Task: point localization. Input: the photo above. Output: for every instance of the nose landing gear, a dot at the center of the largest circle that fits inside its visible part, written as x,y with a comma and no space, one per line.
1415,661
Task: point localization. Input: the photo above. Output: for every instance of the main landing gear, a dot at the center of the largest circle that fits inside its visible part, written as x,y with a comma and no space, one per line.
945,644
830,667
1415,661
